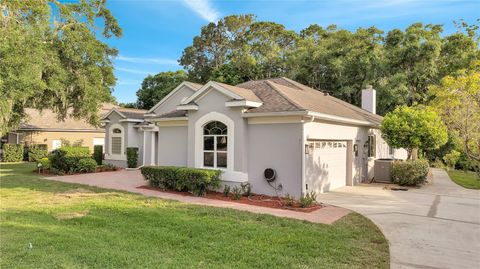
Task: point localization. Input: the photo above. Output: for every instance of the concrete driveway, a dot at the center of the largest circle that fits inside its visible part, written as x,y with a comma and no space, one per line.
437,226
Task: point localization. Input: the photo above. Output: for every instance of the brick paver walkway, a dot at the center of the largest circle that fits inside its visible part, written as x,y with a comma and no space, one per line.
126,180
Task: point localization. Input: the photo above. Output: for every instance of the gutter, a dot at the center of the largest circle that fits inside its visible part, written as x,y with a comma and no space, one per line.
316,115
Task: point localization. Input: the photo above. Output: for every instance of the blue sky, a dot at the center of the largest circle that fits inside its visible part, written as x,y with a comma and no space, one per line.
155,32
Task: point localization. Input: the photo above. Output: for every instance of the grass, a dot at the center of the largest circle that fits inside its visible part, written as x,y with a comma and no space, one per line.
466,179
76,226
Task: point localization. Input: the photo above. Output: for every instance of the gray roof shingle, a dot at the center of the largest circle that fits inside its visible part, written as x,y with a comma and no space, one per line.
283,94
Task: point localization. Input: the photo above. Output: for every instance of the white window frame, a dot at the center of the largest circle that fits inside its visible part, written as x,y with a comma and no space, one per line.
199,124
122,136
215,150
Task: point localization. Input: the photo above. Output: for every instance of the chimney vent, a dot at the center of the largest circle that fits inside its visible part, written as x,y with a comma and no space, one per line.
369,99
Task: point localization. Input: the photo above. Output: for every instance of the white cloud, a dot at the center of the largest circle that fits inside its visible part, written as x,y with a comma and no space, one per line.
139,60
203,8
134,71
128,82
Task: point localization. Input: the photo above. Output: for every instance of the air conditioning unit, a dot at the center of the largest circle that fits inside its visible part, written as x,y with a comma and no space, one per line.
382,170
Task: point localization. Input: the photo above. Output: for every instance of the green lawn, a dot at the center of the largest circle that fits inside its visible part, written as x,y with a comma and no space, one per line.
73,228
465,179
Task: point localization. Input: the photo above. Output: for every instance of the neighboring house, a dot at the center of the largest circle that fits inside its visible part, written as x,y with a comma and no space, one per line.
313,141
44,128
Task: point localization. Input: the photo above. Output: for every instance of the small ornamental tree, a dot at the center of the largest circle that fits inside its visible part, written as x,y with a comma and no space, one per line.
414,128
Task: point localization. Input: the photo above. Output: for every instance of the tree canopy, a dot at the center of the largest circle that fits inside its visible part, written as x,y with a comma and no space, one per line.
154,88
457,101
414,128
50,57
400,64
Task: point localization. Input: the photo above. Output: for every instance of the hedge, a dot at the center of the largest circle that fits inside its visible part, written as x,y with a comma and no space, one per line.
86,165
98,154
37,152
12,152
66,159
410,173
132,157
194,180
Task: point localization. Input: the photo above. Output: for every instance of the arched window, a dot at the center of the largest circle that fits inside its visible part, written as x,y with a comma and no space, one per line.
116,140
215,145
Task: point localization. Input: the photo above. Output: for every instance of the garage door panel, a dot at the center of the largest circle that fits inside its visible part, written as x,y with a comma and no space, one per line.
326,165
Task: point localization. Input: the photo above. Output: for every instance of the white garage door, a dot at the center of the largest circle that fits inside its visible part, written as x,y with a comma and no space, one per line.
325,165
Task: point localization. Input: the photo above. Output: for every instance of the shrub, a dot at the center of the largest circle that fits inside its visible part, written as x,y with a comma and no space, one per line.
451,158
37,152
196,181
226,190
132,157
44,163
410,173
438,163
66,159
12,152
308,200
86,165
98,154
246,188
237,193
289,200
106,167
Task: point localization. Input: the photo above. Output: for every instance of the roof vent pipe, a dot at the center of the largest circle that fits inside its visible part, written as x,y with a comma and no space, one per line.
369,99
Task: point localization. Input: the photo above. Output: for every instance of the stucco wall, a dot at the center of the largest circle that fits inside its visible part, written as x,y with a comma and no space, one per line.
215,101
31,137
172,146
171,103
277,146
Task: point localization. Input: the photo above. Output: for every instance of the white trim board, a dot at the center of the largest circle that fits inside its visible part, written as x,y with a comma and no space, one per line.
206,88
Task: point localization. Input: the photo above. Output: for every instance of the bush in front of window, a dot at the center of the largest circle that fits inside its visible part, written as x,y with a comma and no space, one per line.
132,157
86,165
98,154
12,152
194,180
410,173
66,159
37,152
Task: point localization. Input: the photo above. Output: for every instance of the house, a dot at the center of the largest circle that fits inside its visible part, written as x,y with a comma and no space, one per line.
44,128
313,141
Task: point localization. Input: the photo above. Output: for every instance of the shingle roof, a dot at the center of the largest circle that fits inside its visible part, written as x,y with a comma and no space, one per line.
47,119
196,86
283,94
132,113
247,94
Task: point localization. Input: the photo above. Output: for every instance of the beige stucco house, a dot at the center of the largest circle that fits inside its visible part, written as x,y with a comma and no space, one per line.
44,128
313,141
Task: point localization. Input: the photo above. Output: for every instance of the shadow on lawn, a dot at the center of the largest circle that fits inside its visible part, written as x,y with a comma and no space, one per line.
22,175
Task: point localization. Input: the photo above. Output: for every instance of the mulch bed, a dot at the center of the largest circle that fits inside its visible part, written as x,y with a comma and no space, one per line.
254,199
97,170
